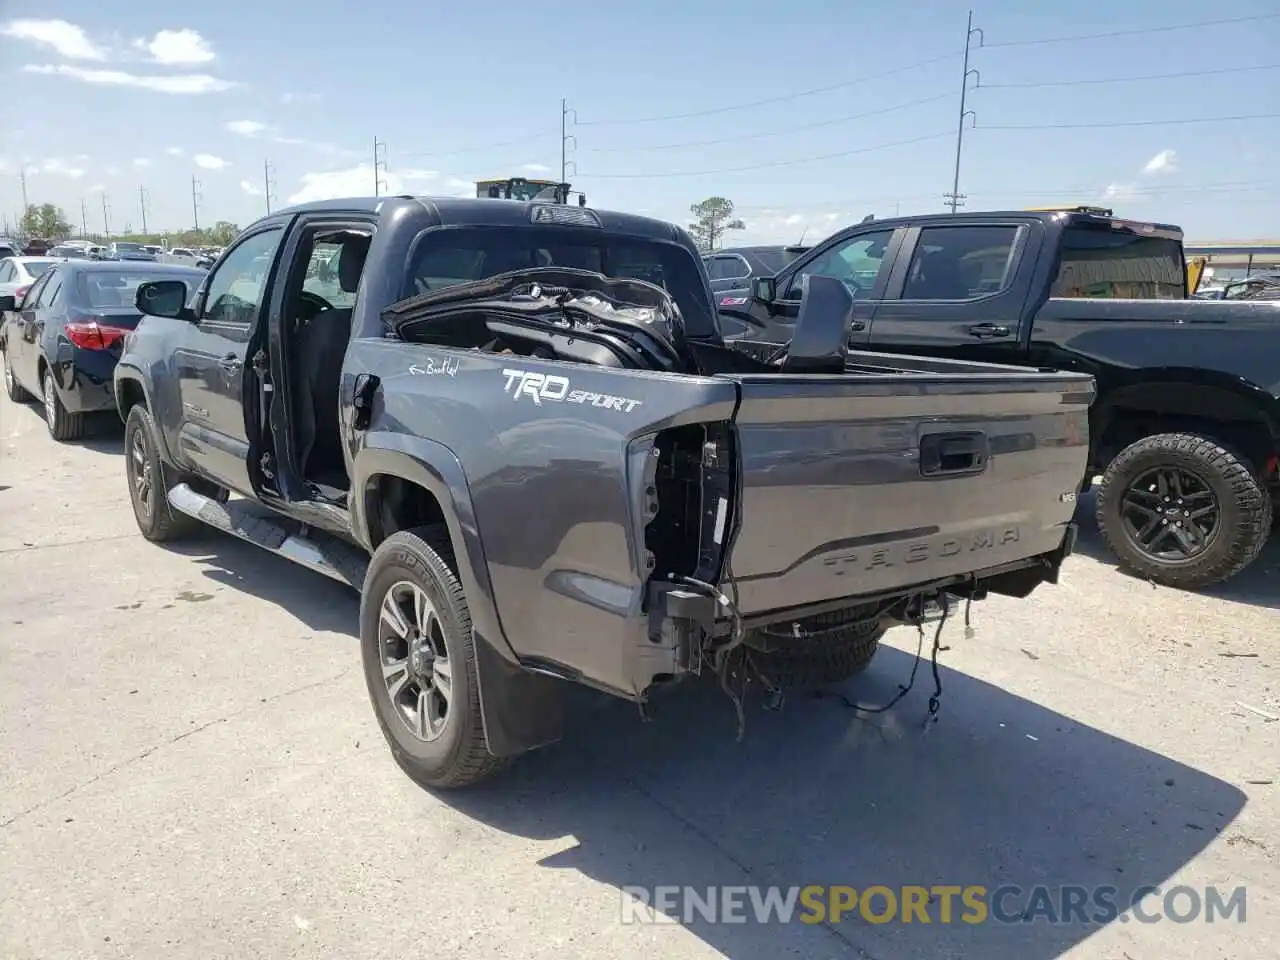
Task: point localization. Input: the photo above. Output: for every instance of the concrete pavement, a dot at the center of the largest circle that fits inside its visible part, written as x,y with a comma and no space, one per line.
190,768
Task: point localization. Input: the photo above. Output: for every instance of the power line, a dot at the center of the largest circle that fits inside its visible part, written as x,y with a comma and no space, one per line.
765,166
1150,76
479,148
782,99
1130,123
1131,33
776,133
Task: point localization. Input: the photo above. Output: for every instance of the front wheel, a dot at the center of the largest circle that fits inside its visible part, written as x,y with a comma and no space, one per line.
419,660
1182,511
148,484
15,391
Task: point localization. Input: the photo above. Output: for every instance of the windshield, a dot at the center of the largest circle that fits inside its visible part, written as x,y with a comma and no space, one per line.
447,257
129,248
36,267
1099,262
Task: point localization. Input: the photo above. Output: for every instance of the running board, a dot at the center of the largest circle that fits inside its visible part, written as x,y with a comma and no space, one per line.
252,522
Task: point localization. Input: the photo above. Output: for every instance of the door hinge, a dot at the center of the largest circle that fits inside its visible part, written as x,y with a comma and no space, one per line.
262,369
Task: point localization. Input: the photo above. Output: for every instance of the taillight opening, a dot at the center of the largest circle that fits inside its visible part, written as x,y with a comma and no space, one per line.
92,335
20,293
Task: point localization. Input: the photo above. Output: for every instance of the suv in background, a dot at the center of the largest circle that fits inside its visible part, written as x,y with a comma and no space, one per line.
734,267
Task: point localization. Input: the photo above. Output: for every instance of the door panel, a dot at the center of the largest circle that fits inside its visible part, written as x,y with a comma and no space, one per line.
210,361
957,293
26,363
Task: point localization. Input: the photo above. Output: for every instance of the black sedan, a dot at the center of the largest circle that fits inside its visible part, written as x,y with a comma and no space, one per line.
61,343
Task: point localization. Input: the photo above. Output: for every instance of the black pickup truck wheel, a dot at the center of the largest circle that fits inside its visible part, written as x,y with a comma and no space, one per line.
419,660
149,481
12,388
1182,511
829,649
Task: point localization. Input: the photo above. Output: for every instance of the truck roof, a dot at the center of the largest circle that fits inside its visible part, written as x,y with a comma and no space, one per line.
1065,214
483,211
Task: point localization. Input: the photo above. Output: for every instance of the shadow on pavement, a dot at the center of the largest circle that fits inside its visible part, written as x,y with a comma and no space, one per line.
317,601
1257,585
1001,791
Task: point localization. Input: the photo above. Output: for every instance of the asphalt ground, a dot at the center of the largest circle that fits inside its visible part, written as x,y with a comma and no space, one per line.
189,767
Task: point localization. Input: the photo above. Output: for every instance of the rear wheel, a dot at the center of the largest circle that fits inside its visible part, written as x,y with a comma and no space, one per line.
63,426
828,649
419,660
148,481
15,391
1182,511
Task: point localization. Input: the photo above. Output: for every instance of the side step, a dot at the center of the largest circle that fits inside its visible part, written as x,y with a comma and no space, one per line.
263,528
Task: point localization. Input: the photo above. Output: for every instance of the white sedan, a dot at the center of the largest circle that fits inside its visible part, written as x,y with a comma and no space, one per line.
17,274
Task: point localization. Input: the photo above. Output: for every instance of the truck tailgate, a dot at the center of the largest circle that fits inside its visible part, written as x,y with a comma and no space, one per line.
864,484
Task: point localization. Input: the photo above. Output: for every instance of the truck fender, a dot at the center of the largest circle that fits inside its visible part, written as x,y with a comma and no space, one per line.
1193,394
125,381
520,710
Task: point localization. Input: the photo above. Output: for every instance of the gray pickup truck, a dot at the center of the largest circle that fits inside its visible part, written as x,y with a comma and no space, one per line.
515,428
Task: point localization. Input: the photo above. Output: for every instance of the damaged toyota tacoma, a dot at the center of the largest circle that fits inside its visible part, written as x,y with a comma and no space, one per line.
516,430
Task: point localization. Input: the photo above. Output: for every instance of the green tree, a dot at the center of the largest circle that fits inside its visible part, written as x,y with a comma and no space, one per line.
712,217
222,233
46,222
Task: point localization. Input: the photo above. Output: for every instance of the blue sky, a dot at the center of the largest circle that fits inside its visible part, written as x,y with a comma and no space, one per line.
106,98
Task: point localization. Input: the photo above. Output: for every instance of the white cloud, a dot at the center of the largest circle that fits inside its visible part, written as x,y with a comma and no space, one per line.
174,48
1119,191
536,168
142,162
358,181
173,151
62,168
65,39
95,188
1166,161
112,171
208,161
245,128
251,189
185,83
290,98
792,220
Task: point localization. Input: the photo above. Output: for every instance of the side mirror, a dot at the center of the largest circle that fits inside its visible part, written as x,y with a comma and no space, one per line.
764,289
9,302
163,298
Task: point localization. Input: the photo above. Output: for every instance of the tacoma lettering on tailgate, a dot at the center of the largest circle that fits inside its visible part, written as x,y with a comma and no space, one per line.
878,557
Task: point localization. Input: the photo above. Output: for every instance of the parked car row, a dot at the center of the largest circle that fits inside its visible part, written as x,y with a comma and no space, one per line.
61,327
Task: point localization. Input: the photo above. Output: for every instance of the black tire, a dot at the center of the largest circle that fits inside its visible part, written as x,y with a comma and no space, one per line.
831,648
14,390
1243,510
458,756
157,521
63,426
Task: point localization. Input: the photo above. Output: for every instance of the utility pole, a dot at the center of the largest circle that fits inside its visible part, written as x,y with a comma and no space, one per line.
268,184
106,219
565,138
955,198
22,176
142,202
84,220
379,166
195,203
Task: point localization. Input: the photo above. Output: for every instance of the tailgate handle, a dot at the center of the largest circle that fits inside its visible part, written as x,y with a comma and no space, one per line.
950,454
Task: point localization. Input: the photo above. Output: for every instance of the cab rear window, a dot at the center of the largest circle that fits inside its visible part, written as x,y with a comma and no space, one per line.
1105,263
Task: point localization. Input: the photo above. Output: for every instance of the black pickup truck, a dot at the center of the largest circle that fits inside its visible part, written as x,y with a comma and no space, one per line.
1186,427
515,428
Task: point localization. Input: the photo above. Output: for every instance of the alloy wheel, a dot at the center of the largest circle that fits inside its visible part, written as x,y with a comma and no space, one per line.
1171,514
415,660
50,401
138,465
